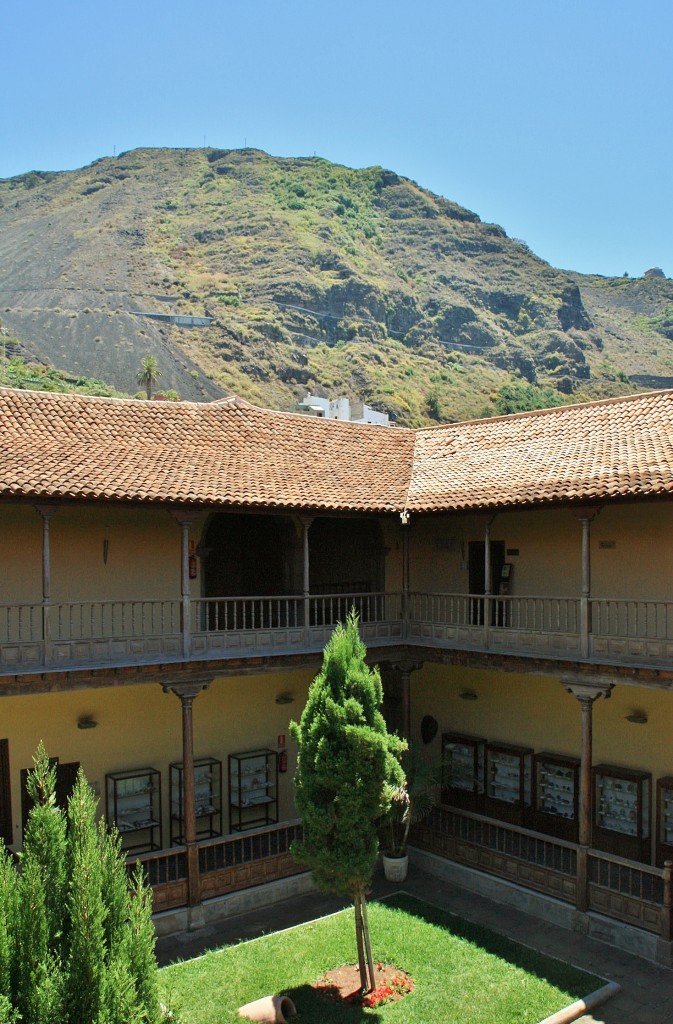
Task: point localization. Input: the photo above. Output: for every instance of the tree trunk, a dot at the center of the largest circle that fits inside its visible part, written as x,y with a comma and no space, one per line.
368,944
359,936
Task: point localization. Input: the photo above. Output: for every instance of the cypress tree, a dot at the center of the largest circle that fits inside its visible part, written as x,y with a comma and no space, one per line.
44,843
9,909
76,939
347,770
38,994
141,944
86,912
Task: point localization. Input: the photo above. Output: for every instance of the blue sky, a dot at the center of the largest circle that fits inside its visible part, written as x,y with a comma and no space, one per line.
552,119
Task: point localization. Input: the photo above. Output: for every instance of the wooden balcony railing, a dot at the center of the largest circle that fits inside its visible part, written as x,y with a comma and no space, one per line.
35,637
226,864
623,890
628,891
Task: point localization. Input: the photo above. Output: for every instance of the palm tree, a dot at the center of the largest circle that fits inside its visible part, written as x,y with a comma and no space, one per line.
148,374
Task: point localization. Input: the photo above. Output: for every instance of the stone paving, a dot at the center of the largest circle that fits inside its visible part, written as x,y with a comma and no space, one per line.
647,989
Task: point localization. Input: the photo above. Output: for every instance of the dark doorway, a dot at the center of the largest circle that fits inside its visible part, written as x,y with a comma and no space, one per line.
5,794
393,700
250,555
477,576
346,557
66,774
247,555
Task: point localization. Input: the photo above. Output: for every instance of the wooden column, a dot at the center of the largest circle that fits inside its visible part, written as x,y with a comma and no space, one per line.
405,668
46,512
667,909
187,692
404,522
488,583
586,694
184,521
586,516
305,523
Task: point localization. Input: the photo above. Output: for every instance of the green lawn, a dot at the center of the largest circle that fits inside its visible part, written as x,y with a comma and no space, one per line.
461,972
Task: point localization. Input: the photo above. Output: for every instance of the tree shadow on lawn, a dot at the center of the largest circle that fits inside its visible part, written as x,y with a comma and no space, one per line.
562,975
313,1005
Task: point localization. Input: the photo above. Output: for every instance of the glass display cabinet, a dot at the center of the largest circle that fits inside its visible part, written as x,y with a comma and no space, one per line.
664,820
207,799
555,807
509,781
253,789
622,806
133,804
463,768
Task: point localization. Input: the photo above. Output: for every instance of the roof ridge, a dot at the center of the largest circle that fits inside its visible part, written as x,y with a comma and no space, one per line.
528,413
410,482
80,396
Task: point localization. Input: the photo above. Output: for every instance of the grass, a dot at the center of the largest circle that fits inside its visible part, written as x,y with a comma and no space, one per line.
461,972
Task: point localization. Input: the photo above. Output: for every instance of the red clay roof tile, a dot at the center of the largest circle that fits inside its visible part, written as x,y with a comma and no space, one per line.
230,453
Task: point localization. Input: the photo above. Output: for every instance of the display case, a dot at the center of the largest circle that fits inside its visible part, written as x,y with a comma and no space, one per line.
664,850
555,807
133,804
509,781
622,806
253,789
463,768
207,799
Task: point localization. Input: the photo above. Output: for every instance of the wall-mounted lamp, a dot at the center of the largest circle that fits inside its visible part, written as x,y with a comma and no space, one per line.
86,722
285,698
404,517
468,695
637,718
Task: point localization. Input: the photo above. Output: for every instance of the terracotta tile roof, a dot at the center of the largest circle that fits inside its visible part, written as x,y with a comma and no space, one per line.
230,453
619,447
224,453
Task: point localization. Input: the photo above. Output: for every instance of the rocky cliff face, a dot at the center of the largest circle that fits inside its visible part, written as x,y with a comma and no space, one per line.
315,277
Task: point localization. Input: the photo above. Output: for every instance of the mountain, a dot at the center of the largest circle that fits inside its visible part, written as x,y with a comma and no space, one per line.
304,275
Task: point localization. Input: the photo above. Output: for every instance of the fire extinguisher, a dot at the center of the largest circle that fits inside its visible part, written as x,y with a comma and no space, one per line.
282,761
192,567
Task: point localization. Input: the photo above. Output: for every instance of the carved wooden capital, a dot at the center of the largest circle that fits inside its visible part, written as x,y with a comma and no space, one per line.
588,692
188,690
183,518
587,513
46,511
406,666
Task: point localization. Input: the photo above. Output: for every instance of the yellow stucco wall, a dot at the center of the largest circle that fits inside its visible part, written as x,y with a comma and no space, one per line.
141,726
20,555
536,711
143,554
631,552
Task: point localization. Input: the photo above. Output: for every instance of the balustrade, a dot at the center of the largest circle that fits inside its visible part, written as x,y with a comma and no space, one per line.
109,632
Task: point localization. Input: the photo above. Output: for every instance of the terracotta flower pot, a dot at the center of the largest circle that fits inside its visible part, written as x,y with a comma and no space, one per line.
269,1008
395,868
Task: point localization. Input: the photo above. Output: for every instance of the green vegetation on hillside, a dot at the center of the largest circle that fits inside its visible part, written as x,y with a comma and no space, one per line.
317,277
33,377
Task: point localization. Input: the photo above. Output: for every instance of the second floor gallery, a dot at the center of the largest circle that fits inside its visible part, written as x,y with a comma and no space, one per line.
507,574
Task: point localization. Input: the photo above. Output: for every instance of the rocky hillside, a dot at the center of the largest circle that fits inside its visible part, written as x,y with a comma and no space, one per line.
306,275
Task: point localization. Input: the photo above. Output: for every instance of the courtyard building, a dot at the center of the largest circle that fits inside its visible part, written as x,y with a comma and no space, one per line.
172,571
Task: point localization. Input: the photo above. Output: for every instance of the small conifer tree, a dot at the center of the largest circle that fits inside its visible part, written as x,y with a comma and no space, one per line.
76,940
347,770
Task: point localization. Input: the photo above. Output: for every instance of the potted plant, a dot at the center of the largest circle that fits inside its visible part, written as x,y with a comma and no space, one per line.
409,803
395,832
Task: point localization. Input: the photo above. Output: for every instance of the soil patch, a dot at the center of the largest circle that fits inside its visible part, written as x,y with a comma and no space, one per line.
343,983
